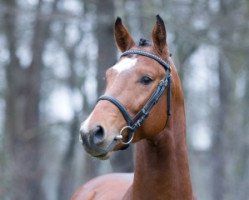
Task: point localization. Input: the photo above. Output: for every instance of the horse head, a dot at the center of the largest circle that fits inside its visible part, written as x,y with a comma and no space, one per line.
136,103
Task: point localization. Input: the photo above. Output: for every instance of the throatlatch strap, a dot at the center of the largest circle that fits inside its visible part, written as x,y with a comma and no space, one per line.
169,95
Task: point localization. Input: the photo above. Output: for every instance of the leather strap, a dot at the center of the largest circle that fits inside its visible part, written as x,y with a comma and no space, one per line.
165,64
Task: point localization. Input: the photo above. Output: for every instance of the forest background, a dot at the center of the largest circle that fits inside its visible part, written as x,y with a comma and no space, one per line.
53,55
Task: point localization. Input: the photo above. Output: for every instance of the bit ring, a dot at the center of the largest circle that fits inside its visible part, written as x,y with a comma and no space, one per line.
120,136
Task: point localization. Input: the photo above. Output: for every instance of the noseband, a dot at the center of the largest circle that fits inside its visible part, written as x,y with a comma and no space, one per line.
135,122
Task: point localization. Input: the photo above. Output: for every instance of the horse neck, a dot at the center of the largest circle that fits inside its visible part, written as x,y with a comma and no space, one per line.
161,166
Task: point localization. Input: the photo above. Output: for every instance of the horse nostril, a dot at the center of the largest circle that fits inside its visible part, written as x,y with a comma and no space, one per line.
98,135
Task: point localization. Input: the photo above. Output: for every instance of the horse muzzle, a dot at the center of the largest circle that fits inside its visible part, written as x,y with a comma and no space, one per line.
93,140
96,143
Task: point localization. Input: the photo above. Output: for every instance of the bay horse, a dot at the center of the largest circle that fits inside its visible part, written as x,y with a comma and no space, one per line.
143,104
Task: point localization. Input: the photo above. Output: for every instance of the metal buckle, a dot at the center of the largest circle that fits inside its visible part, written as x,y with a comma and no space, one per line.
121,137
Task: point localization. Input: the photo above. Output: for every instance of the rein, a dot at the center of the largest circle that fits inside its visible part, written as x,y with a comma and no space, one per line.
135,122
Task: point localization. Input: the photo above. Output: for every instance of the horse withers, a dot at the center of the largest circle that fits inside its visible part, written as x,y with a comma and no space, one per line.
144,105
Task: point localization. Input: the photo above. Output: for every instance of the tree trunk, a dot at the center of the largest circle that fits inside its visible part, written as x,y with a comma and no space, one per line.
105,40
218,154
22,109
66,179
66,176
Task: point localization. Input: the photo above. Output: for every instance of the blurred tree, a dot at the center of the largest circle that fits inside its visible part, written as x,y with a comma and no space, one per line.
74,82
223,157
22,106
218,154
105,40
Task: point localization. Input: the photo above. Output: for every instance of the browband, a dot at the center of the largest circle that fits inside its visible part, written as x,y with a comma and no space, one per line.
150,55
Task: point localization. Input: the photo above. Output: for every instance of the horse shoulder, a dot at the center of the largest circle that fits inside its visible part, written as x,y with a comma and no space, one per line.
106,187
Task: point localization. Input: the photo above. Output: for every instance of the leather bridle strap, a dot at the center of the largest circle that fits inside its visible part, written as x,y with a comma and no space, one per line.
149,55
144,112
135,122
119,106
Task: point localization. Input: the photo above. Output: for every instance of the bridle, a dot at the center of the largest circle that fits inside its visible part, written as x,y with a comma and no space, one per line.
135,122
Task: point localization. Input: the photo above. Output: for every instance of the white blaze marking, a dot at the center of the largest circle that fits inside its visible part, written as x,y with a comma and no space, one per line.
125,64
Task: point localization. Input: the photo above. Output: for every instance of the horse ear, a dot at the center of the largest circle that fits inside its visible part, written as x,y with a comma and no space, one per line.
159,35
123,38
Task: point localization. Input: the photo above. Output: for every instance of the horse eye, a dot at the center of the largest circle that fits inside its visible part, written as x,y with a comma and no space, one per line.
145,80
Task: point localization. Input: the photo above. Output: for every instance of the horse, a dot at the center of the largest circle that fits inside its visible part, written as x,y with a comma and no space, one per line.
143,104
